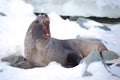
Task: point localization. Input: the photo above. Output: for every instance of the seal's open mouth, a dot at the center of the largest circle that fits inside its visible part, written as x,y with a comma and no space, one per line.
45,29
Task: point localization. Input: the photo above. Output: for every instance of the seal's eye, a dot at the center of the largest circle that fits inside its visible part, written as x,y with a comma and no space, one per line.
37,21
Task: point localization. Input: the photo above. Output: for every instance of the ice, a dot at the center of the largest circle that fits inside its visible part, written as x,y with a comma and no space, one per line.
99,8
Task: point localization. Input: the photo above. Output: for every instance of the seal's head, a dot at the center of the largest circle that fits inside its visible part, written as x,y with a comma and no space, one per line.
44,21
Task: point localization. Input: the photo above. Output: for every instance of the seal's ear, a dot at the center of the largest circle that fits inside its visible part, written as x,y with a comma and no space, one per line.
72,60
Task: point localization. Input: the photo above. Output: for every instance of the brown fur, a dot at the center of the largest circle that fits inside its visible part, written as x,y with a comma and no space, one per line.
41,49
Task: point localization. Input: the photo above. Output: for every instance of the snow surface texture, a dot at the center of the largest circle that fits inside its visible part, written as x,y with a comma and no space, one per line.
56,72
13,27
87,24
100,8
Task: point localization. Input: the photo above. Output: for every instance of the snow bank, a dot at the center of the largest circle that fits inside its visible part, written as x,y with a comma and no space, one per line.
15,8
14,25
99,8
56,72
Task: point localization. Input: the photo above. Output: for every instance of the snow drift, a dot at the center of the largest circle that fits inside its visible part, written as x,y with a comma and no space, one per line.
99,8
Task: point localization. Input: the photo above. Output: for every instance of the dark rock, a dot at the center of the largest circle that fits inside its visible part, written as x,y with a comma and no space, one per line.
2,14
105,20
109,64
65,17
118,65
37,14
1,70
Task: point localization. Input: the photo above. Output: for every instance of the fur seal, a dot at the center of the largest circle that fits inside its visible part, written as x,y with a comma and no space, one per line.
41,48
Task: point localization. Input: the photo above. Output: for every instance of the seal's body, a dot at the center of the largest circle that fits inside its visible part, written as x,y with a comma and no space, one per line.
41,49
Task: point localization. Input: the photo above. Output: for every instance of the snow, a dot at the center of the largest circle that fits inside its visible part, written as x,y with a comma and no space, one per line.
54,71
13,28
100,8
87,24
14,25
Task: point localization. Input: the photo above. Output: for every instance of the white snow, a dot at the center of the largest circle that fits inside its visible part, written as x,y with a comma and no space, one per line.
54,71
14,25
12,32
100,8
